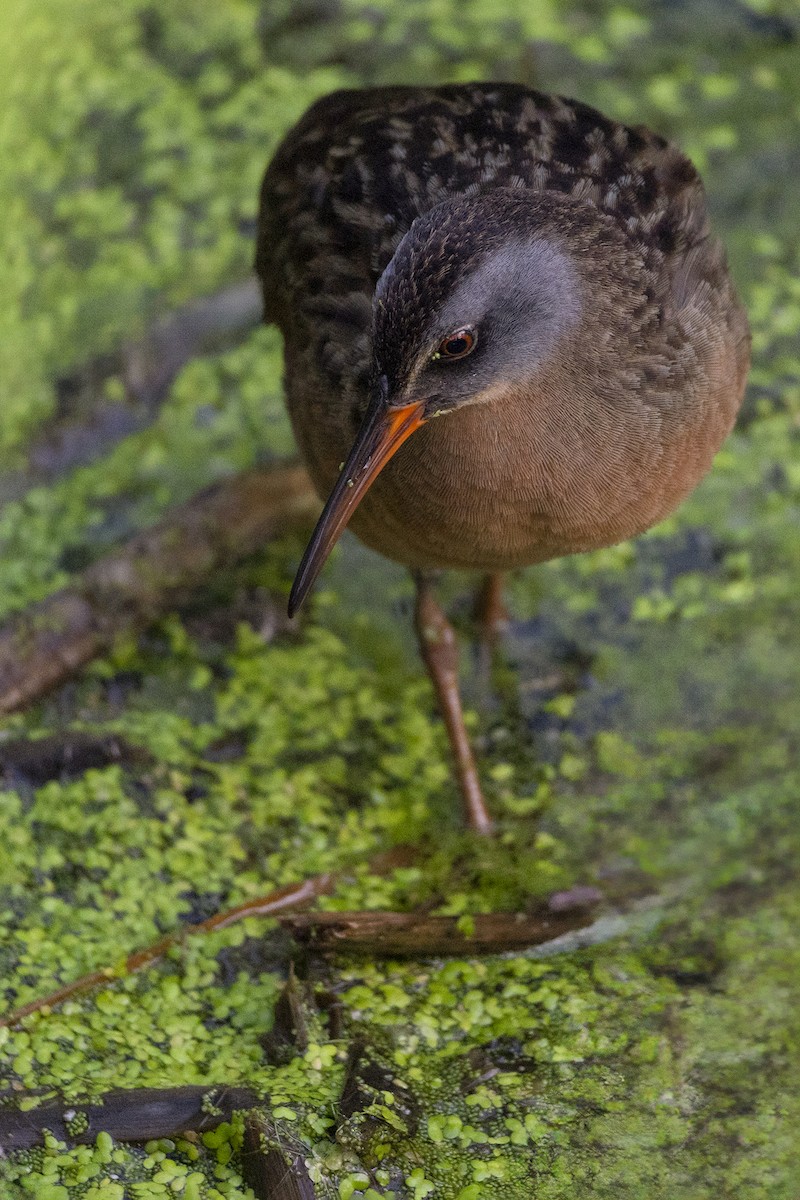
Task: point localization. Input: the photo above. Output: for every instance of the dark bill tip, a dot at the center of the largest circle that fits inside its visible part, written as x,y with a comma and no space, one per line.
382,433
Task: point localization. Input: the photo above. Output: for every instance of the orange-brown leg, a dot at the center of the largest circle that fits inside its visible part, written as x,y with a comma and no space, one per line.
437,643
491,614
490,618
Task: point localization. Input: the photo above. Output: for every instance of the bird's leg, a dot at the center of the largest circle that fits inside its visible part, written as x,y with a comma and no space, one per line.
491,620
491,614
437,643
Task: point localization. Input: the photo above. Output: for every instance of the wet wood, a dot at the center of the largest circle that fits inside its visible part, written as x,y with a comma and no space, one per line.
417,935
134,1115
273,1173
300,1003
368,1081
126,590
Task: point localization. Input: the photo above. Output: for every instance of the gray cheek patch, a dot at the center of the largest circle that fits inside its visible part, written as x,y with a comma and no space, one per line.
529,291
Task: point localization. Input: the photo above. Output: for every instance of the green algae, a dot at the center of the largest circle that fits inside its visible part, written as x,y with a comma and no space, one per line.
660,1065
159,1171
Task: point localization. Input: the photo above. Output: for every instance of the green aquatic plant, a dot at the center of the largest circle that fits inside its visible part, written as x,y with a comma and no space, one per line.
657,682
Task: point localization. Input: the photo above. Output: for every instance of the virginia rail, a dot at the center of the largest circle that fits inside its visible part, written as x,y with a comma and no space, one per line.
528,288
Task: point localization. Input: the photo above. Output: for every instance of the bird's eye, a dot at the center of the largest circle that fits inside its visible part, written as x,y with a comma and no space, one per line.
457,345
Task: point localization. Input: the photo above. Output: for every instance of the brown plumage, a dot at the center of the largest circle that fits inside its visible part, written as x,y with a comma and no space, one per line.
539,279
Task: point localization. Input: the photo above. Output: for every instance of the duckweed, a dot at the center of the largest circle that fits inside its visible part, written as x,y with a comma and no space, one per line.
660,1066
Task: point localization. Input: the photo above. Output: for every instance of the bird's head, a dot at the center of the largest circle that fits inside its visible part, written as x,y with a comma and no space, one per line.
475,301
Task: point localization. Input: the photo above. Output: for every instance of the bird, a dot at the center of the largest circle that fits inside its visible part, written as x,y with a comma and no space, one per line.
509,336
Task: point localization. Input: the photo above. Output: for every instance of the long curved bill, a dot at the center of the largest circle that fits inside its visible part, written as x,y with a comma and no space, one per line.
381,435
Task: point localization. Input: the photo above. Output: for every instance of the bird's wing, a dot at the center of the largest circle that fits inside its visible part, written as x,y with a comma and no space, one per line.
349,179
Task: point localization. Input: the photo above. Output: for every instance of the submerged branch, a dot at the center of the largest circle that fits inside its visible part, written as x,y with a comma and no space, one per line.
87,423
129,588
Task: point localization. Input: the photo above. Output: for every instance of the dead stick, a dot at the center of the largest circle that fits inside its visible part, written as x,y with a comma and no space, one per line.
415,935
293,895
129,588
